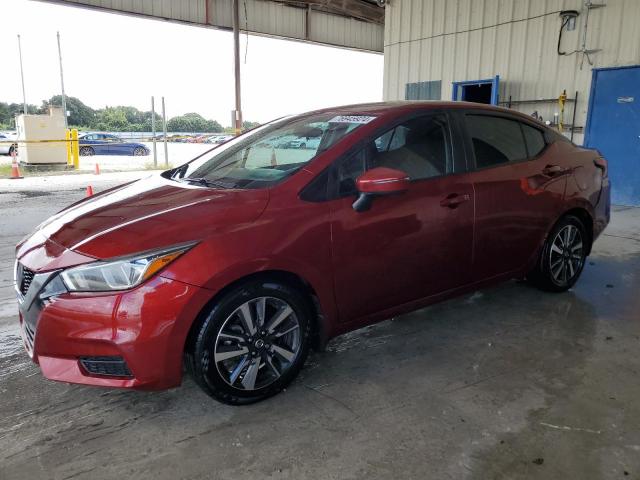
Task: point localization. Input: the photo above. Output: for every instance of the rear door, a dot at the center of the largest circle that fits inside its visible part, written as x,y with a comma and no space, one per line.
407,246
117,146
519,187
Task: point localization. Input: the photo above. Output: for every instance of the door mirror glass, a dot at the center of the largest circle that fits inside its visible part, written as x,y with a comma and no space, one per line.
377,182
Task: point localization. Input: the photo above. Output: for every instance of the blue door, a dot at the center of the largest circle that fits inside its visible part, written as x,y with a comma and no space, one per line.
613,127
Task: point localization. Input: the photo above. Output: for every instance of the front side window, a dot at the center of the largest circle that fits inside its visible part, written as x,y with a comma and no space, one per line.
496,140
270,153
418,147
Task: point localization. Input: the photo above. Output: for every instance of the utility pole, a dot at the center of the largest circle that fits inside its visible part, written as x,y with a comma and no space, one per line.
64,99
24,96
153,131
237,114
164,137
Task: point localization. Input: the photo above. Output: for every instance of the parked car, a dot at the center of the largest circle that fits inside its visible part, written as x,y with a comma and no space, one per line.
240,261
108,144
7,147
305,142
220,139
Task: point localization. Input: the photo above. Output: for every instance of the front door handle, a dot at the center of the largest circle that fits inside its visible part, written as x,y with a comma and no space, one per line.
453,200
551,170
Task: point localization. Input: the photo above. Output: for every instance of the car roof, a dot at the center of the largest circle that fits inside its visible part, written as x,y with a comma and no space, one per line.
402,106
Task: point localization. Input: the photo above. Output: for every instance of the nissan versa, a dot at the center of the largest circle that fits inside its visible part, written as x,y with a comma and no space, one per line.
238,262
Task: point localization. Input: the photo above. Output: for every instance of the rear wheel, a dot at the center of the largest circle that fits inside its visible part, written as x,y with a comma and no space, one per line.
252,343
562,257
139,151
86,151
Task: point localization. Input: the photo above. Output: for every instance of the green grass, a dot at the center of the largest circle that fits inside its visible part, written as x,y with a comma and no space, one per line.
5,171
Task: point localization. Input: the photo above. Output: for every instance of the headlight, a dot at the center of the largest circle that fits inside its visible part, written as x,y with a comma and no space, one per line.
120,274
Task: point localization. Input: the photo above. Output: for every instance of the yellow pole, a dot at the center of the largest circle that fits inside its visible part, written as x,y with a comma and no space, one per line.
76,149
561,101
67,135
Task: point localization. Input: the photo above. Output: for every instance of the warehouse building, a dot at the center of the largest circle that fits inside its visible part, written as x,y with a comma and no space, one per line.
526,54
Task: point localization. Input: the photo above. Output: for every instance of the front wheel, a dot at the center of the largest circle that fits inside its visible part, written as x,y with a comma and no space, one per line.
252,343
139,151
86,151
563,256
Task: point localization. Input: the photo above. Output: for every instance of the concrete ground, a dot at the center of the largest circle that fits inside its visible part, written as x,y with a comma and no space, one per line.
507,383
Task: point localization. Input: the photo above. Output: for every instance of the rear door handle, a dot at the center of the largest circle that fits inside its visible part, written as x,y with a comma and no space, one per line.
551,170
453,200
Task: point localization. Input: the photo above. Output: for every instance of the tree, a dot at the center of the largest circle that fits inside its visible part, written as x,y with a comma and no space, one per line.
193,122
112,119
79,113
8,111
246,125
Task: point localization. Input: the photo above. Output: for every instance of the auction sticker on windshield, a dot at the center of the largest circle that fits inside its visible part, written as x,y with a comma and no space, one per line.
351,119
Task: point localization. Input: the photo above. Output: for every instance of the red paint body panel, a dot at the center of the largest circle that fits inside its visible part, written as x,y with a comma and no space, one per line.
147,326
438,238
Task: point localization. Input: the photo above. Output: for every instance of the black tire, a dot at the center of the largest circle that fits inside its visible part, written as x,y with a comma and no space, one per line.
559,268
139,152
87,152
216,378
303,145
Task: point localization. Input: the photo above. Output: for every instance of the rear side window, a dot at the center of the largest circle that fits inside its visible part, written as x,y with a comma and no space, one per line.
496,140
534,139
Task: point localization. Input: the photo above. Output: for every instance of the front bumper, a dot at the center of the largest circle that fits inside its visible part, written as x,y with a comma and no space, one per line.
146,327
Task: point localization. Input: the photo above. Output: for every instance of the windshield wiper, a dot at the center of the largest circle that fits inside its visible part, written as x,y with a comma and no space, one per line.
206,182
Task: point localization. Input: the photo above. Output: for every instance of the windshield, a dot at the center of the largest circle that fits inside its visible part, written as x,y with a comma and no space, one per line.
268,154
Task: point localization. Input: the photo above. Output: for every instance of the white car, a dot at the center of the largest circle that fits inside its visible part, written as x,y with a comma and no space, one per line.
7,148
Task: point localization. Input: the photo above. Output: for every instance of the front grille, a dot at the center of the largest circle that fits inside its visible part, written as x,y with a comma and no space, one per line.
24,278
29,336
106,366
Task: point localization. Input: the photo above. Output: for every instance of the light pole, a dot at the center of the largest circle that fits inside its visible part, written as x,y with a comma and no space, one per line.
24,96
64,99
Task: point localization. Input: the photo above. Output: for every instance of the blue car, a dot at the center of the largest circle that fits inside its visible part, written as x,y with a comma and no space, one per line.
108,144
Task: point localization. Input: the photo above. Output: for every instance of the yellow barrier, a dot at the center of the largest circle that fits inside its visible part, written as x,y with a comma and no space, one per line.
75,149
67,134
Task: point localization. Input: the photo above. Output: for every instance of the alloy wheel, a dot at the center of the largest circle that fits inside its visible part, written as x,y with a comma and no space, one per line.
566,255
257,344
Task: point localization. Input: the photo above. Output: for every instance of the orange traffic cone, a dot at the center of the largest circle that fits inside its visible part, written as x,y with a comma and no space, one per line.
15,170
97,170
89,191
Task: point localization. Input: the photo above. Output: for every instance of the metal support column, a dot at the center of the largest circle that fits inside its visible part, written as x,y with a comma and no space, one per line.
236,61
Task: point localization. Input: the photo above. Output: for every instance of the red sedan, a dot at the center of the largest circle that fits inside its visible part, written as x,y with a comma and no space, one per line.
238,262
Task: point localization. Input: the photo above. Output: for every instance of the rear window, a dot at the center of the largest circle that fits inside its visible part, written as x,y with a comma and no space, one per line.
534,139
496,140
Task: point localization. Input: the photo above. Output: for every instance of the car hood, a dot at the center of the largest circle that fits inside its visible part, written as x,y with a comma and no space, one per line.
150,213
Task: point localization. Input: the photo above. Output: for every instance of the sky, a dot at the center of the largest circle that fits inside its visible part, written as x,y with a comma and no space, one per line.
111,59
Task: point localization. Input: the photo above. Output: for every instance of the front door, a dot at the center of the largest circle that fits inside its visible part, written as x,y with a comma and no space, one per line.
614,129
407,246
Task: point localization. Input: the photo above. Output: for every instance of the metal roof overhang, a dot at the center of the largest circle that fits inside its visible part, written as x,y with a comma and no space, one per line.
352,24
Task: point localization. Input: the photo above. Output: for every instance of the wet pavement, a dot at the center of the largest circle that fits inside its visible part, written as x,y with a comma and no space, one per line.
507,383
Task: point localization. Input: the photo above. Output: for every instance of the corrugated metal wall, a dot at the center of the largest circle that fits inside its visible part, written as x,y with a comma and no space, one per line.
263,17
456,40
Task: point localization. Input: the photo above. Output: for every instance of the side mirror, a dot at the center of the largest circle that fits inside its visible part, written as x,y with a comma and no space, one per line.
378,182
